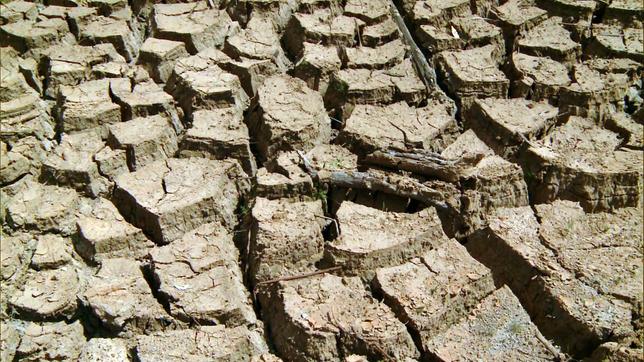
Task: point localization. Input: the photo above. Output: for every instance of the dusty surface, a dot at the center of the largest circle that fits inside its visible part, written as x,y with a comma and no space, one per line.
296,180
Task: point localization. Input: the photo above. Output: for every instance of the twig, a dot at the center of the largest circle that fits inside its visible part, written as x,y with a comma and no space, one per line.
333,221
300,276
549,347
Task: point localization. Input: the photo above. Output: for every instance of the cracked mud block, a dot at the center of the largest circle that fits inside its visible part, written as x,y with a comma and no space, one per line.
27,35
593,93
311,321
614,352
432,293
473,73
380,33
104,233
23,116
13,165
286,238
72,64
104,350
197,82
15,255
259,40
469,32
289,116
490,183
379,57
498,329
52,251
216,343
118,32
538,78
34,150
145,140
550,39
626,13
631,131
617,42
51,342
199,278
363,86
371,12
438,13
219,134
9,339
320,27
398,127
48,294
15,11
170,197
582,162
276,11
72,164
275,185
121,299
143,100
87,106
43,208
111,163
194,24
517,16
371,239
505,123
284,178
575,273
317,64
159,57
575,9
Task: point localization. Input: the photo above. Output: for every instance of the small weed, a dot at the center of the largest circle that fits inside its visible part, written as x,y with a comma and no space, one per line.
516,327
336,163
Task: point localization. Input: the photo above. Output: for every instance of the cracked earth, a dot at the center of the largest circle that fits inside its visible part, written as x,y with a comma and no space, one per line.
321,180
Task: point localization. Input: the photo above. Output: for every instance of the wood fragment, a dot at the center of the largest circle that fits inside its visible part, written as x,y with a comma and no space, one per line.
299,276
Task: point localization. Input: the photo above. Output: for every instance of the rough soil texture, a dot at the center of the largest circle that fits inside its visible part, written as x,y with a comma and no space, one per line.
321,180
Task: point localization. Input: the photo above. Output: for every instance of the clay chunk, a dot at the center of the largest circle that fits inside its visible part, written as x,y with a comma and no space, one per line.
103,233
199,277
170,197
43,208
576,267
582,162
72,164
216,343
197,82
160,55
289,116
51,342
145,140
313,321
473,73
400,127
218,134
194,24
499,328
370,238
286,238
87,106
505,123
119,296
48,294
435,292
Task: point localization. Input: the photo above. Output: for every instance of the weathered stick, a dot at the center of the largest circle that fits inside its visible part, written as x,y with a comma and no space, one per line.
299,276
423,163
366,181
426,73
